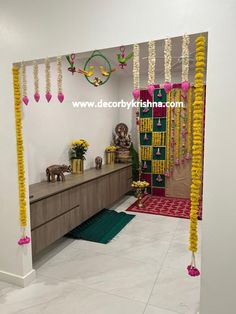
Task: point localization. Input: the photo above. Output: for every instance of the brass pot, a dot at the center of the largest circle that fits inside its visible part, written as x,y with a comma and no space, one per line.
77,166
110,158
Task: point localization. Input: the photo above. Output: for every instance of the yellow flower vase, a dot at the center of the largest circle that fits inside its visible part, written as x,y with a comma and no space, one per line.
77,166
110,158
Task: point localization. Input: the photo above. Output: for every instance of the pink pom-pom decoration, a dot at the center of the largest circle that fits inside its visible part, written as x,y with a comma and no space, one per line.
36,97
48,96
151,89
60,97
136,94
185,86
193,271
167,174
177,162
167,87
187,156
24,240
25,100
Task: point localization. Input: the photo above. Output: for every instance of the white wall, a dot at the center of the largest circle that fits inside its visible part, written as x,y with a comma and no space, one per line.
27,32
50,127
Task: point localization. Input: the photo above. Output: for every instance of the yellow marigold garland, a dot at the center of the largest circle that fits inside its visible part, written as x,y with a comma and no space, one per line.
145,125
168,136
158,139
198,112
158,166
20,156
146,153
189,123
177,128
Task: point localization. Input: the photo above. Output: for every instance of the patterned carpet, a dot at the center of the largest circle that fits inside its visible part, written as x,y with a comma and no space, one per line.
165,206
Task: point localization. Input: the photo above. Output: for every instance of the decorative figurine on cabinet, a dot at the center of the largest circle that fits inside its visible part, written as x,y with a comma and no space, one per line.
57,170
122,141
98,162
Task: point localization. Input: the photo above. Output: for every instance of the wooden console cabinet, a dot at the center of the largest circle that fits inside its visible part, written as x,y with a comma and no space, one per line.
56,208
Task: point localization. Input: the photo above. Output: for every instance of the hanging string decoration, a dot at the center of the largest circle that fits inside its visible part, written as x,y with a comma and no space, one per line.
25,98
197,151
71,61
136,70
167,58
185,64
168,137
20,156
183,128
48,94
36,81
189,125
60,94
151,66
122,58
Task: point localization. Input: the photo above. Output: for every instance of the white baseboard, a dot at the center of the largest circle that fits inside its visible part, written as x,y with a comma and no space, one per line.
17,280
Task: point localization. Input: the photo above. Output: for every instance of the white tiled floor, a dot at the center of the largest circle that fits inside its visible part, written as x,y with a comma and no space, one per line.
143,270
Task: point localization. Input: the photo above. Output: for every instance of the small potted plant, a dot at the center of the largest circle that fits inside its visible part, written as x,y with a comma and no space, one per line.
139,186
78,150
110,154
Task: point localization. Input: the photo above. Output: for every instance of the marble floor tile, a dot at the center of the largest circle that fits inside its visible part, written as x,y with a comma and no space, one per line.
154,310
48,296
176,291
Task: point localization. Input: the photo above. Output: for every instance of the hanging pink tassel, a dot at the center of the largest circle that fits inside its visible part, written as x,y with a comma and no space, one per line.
25,100
177,162
151,89
159,94
193,271
60,97
145,137
167,174
145,165
48,96
167,87
185,86
187,156
24,240
158,153
159,123
136,94
36,97
159,178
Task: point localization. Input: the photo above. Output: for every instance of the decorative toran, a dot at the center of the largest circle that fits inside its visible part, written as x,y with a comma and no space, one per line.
20,157
136,70
151,66
60,94
167,58
48,94
25,98
185,64
197,151
36,81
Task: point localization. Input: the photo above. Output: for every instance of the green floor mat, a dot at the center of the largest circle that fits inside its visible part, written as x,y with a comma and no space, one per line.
102,227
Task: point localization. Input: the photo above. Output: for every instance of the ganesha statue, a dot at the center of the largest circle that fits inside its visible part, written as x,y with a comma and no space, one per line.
122,141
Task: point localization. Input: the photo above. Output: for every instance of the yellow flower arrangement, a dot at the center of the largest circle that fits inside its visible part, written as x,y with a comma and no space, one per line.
198,112
177,129
78,149
158,138
20,148
145,125
158,166
146,152
140,184
111,149
80,142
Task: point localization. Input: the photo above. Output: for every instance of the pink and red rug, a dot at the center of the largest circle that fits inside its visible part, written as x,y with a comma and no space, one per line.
165,206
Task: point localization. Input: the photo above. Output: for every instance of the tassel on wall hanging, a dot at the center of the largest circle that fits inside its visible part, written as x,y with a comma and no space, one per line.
60,94
136,70
48,94
151,66
167,59
36,81
197,152
185,64
20,157
25,98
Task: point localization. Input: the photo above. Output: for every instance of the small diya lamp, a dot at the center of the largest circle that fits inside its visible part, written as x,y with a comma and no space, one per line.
140,187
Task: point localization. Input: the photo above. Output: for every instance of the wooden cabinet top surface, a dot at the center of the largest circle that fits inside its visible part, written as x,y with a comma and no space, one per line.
44,189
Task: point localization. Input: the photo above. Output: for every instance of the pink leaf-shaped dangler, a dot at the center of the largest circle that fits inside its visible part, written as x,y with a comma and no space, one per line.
37,96
48,96
25,100
185,86
151,89
167,87
136,94
60,97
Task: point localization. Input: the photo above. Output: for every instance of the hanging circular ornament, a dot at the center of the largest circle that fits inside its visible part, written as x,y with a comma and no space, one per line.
105,71
36,81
